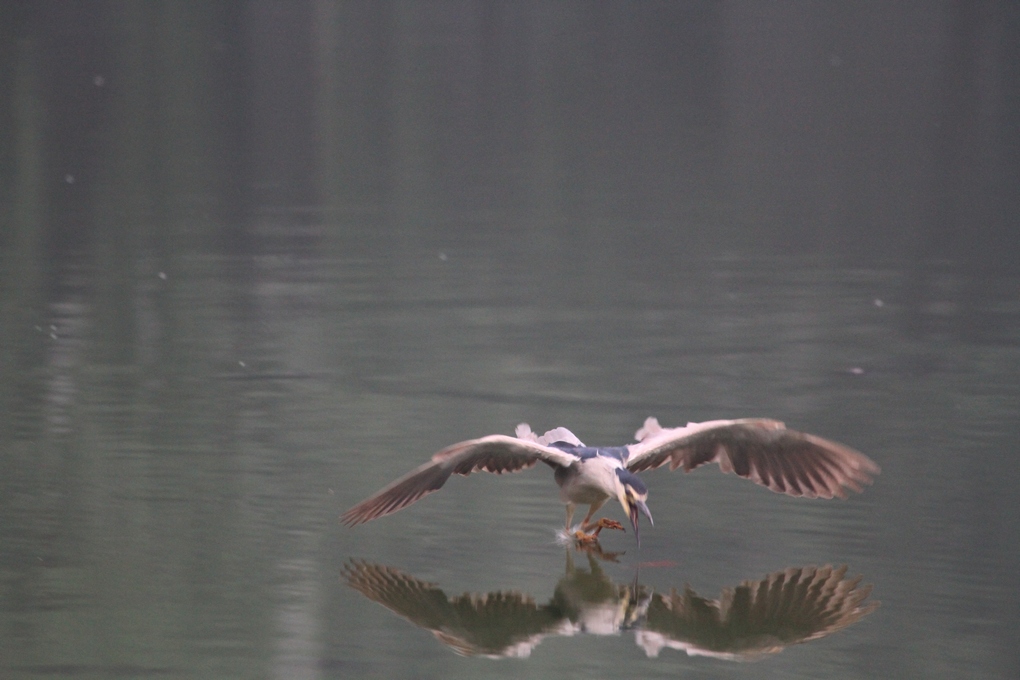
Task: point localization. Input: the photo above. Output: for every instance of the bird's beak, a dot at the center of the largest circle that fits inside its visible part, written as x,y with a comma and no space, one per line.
632,510
646,511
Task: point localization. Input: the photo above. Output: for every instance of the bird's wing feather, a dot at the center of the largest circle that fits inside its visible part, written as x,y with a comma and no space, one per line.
758,449
557,434
496,453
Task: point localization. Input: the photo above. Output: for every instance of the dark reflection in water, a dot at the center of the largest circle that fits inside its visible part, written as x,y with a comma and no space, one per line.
747,622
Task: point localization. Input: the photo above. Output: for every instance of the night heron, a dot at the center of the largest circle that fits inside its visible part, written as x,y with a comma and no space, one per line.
761,450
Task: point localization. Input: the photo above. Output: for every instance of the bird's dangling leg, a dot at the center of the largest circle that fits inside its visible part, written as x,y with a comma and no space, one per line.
604,523
570,516
587,525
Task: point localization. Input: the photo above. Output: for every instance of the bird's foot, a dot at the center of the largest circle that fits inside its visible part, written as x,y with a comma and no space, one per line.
607,524
585,538
601,524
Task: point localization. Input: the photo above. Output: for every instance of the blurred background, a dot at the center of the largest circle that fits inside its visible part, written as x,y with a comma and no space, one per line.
259,258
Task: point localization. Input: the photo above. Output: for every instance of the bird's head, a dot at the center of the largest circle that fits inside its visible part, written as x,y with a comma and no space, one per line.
632,493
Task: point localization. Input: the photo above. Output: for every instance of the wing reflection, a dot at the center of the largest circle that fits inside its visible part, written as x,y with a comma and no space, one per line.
756,618
495,624
748,622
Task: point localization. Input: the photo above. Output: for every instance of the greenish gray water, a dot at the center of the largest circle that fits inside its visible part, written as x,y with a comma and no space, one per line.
176,513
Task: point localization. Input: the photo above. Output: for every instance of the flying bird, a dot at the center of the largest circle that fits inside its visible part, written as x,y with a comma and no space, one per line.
762,450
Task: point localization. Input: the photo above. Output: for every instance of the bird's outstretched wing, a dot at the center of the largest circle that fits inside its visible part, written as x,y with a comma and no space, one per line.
761,450
495,453
757,618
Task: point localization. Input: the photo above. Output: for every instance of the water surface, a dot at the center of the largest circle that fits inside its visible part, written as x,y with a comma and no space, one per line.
175,512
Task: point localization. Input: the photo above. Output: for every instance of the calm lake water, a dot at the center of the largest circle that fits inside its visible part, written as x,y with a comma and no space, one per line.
175,512
258,259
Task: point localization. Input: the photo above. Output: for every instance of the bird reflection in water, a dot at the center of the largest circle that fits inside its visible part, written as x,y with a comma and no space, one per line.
747,622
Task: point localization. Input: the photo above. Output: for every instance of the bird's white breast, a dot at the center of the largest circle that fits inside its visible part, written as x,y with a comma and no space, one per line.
596,477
